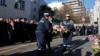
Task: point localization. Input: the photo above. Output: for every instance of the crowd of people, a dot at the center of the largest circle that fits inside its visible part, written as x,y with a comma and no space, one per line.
45,30
86,29
21,30
17,30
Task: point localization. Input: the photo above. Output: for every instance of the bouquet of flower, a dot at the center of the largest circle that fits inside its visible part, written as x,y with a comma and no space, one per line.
96,44
90,38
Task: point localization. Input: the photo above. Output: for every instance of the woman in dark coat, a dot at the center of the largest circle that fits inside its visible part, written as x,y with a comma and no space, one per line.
49,34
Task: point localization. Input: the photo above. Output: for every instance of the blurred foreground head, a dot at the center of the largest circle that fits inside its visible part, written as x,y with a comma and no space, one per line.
1,19
67,17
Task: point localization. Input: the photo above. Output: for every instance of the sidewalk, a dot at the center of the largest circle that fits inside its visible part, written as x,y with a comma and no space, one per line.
79,48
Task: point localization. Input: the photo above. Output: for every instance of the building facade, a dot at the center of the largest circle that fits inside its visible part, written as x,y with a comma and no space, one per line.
77,7
91,14
20,8
97,14
96,10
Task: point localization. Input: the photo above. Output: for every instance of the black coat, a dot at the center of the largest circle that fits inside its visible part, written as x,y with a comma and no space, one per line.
49,34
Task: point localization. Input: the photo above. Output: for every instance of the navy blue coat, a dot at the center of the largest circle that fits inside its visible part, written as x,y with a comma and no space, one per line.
43,25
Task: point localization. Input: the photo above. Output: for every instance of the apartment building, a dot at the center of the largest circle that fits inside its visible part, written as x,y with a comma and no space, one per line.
21,8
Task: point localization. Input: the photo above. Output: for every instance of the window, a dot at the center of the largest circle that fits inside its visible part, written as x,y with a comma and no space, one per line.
20,4
34,16
16,5
3,2
34,9
34,2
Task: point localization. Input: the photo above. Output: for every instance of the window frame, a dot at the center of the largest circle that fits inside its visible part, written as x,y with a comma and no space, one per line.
3,3
20,4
